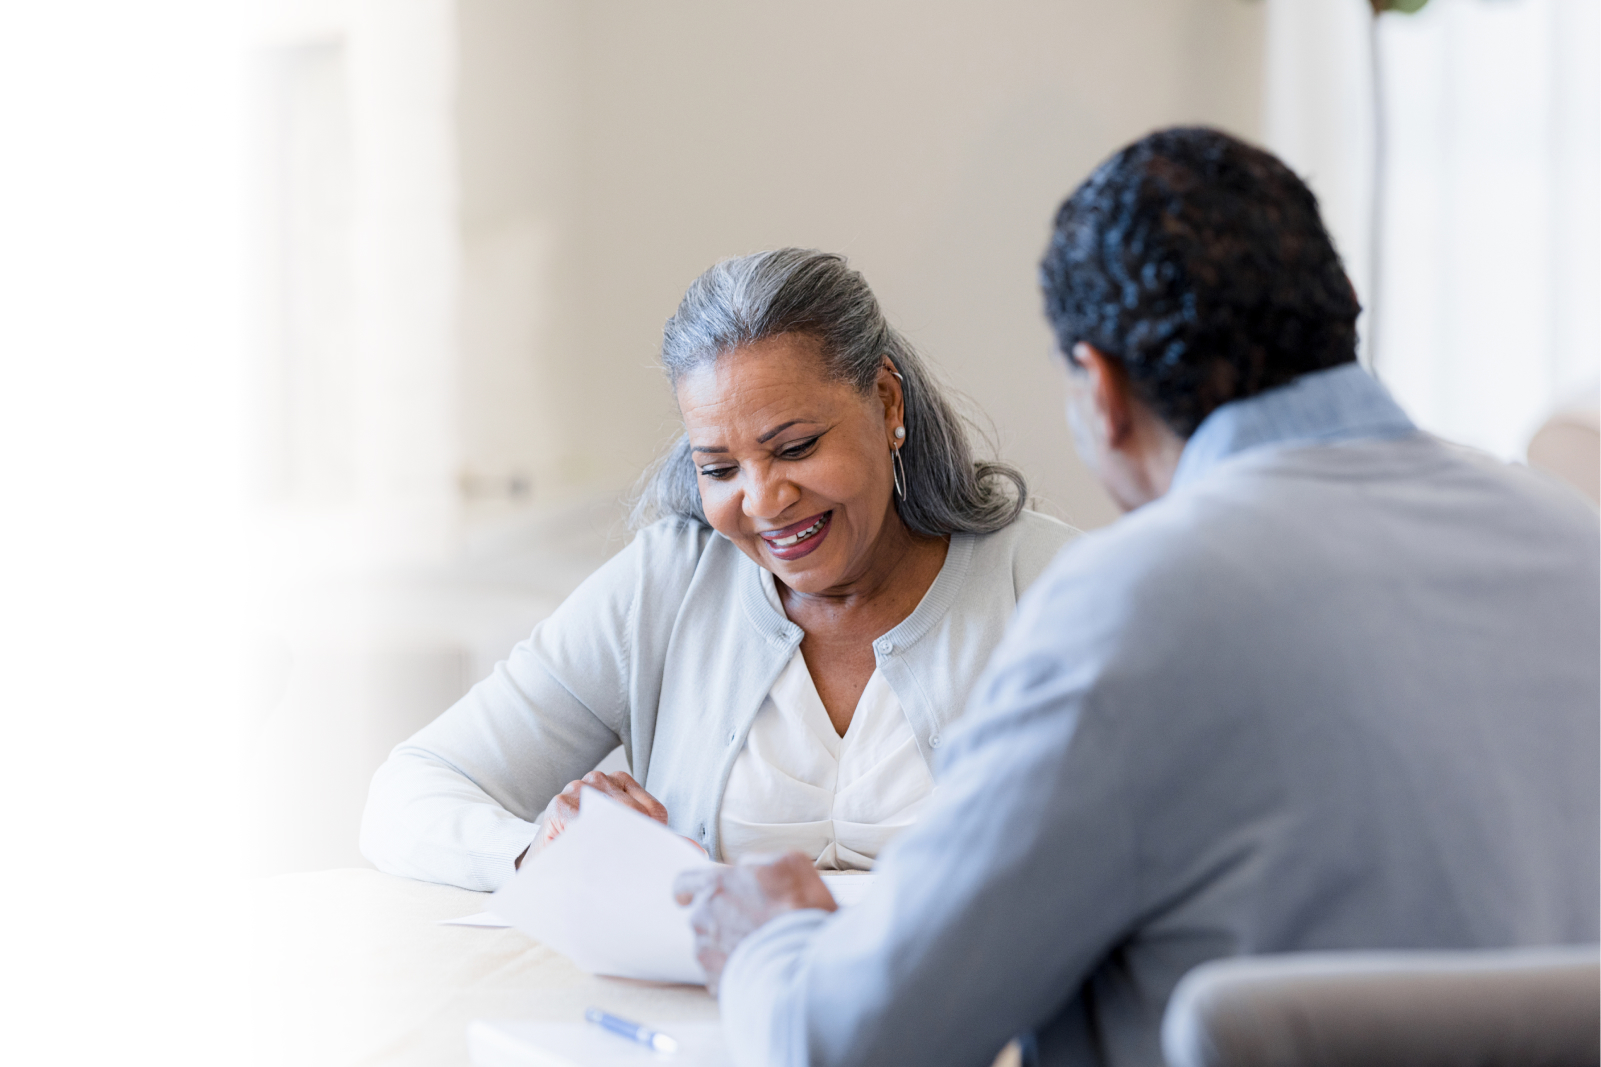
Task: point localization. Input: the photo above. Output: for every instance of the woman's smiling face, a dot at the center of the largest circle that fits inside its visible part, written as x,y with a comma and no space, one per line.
793,467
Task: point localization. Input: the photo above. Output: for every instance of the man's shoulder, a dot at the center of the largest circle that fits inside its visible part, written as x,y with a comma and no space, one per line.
1539,494
1465,492
1150,570
1287,519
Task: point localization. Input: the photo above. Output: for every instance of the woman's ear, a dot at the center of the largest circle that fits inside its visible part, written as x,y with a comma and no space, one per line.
891,395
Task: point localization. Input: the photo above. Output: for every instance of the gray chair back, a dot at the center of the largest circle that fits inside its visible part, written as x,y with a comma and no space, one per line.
1514,1008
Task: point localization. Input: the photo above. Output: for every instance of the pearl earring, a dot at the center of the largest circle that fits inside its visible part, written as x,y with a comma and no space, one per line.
900,433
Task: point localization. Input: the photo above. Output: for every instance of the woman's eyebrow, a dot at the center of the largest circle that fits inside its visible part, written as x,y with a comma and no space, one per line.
770,434
763,439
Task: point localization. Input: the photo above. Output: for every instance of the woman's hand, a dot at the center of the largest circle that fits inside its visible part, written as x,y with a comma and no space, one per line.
730,903
619,786
563,807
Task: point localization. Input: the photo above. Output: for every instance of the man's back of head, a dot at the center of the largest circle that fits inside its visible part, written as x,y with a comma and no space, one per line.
1200,264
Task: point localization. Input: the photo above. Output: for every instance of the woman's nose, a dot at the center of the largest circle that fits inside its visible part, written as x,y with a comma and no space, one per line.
768,494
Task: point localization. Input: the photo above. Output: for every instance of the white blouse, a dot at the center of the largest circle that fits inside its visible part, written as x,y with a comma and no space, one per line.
797,784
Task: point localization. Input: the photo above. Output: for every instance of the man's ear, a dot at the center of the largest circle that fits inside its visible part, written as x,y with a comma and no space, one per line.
1109,391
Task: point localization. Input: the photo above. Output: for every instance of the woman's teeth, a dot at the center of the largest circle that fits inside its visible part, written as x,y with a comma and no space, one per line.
795,539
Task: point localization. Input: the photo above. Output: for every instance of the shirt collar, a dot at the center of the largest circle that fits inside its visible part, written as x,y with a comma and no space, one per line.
1342,403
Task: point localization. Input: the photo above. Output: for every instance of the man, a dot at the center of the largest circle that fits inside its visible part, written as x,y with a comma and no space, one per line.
1331,684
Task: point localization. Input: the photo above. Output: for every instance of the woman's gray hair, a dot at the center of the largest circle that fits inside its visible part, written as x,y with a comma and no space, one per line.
795,290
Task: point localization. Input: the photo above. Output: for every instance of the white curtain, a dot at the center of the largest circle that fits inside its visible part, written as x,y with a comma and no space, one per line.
1491,268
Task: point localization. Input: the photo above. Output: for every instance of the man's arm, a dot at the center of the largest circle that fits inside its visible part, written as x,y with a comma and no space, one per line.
985,919
988,916
1110,767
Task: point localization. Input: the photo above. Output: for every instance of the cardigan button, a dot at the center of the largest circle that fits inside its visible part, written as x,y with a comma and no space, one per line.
933,741
885,647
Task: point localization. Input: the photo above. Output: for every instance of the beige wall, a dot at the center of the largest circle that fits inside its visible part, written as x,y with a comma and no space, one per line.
527,188
610,152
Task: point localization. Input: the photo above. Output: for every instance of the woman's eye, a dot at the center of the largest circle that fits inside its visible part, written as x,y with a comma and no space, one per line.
798,450
719,473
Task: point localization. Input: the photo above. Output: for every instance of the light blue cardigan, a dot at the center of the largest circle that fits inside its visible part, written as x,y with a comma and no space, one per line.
670,649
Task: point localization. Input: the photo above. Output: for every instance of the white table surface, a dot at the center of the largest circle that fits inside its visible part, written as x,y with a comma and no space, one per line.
352,967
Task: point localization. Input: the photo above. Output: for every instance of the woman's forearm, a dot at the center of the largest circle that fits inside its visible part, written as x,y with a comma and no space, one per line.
426,820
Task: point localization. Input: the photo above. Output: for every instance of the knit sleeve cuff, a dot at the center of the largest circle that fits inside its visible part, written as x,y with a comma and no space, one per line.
494,863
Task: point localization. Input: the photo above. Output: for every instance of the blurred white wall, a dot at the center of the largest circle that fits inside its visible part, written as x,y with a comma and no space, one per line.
119,519
525,189
1489,317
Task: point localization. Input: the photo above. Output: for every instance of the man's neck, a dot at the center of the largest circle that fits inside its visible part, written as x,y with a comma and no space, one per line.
1150,455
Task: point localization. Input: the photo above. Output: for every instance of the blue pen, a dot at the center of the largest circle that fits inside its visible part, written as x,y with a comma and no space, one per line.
644,1035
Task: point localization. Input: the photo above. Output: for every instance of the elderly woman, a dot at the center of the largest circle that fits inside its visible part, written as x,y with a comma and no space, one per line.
781,650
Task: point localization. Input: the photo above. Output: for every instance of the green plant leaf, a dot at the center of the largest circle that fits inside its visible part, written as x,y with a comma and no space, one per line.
1405,7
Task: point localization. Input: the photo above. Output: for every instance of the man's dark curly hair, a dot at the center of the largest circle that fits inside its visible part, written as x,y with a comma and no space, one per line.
1200,264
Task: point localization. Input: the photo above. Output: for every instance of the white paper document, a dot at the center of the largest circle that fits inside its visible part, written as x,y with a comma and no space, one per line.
846,889
482,918
602,895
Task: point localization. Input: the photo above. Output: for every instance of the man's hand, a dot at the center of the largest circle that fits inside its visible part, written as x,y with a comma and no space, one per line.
732,902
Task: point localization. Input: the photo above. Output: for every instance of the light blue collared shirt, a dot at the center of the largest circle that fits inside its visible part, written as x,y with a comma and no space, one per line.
1337,689
1339,404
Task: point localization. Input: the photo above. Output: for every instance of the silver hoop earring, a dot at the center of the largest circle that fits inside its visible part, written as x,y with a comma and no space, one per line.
898,471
